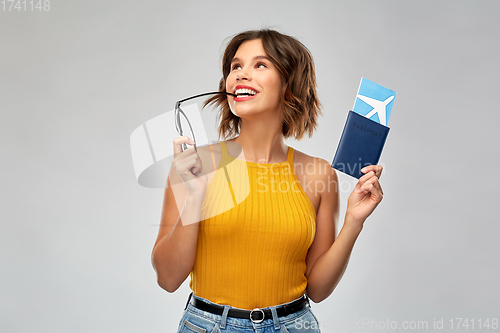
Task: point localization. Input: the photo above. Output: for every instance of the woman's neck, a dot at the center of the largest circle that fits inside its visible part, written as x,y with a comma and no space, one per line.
261,144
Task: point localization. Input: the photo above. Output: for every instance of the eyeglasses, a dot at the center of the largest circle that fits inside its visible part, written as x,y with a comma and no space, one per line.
178,111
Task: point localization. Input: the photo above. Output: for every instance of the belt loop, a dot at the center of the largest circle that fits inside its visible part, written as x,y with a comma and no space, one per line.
275,318
307,299
224,317
189,298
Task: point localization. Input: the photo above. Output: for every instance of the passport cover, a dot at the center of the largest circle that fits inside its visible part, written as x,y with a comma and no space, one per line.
360,145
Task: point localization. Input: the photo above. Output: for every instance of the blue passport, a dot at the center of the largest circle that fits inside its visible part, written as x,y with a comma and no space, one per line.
360,145
365,130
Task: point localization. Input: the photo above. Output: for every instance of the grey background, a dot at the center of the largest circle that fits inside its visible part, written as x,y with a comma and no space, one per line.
77,230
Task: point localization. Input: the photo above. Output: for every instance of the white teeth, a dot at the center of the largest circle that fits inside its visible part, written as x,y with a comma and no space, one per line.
245,91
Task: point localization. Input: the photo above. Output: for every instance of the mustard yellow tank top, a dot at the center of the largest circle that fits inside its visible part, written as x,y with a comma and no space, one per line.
252,248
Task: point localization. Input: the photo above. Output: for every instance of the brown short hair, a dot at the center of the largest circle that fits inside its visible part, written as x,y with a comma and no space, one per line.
296,67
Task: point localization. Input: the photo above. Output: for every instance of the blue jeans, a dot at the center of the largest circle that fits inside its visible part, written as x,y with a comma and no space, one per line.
199,321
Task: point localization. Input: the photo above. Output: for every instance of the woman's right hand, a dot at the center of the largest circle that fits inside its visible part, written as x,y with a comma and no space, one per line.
189,167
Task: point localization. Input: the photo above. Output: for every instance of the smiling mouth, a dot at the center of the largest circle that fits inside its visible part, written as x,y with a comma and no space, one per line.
245,92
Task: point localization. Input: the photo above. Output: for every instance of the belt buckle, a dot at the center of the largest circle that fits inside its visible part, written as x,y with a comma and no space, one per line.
257,321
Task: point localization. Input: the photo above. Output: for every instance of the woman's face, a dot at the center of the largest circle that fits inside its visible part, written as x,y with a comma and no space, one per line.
255,80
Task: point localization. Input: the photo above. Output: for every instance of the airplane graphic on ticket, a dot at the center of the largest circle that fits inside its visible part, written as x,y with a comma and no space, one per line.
374,101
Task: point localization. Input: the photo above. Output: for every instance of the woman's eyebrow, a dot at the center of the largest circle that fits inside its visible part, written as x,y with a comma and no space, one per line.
254,58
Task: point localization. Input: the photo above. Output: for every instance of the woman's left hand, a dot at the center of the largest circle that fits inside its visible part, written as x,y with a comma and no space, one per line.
366,195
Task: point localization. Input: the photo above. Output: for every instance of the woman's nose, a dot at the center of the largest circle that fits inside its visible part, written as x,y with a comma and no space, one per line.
243,75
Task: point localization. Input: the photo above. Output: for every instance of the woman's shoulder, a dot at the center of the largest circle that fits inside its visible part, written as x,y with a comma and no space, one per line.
312,164
316,176
211,154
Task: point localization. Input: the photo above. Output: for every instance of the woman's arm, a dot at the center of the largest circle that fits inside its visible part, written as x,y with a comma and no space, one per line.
174,252
328,268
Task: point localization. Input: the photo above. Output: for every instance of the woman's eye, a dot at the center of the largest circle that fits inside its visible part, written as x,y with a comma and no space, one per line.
235,66
261,65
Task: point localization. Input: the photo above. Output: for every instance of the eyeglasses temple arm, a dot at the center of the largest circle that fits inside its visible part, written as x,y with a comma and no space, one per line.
191,128
205,94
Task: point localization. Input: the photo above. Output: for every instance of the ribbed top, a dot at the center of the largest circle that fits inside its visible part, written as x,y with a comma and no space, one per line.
254,238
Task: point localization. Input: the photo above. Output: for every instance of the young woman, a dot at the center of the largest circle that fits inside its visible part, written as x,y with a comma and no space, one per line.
254,265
